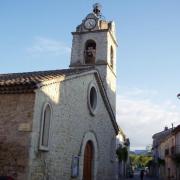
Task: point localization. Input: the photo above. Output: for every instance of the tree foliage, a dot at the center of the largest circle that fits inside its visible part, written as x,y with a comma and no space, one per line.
140,160
122,154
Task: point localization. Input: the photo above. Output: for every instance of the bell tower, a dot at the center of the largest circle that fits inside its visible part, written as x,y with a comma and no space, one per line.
94,45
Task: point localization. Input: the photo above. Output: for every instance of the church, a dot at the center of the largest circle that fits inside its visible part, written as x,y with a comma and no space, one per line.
61,124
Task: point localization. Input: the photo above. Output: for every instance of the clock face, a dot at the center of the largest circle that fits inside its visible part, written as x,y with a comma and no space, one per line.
90,23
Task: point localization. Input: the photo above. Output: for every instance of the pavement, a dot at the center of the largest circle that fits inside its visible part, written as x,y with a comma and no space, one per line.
138,178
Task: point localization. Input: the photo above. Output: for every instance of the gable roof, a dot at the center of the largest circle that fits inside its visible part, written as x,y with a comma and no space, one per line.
28,81
161,136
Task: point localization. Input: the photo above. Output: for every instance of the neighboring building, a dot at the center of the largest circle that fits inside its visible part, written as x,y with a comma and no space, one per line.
176,150
166,151
60,124
123,166
170,167
158,150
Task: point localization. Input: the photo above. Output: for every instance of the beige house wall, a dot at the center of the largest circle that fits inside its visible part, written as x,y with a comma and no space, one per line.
169,162
178,143
162,168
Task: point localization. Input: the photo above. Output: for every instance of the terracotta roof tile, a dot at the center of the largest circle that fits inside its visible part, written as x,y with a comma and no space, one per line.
28,81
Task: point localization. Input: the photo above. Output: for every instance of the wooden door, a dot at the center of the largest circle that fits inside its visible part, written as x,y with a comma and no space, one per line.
88,159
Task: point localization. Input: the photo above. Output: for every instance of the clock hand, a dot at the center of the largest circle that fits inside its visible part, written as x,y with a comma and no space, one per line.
91,23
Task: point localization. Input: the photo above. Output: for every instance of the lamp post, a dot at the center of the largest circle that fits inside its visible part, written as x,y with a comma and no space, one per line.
178,96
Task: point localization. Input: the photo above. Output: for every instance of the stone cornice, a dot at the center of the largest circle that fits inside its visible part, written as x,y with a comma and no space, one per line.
95,31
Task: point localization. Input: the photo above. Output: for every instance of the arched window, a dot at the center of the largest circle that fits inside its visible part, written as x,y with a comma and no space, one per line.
111,57
45,127
90,52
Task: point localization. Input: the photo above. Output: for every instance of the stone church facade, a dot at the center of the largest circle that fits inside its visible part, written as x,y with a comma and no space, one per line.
61,124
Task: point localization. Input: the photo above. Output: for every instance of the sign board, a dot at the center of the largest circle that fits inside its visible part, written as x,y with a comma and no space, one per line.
75,166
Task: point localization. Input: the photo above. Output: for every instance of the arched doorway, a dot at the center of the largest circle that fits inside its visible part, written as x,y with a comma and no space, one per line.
88,161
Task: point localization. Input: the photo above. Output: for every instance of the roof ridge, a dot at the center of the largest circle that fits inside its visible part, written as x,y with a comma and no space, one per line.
27,81
46,71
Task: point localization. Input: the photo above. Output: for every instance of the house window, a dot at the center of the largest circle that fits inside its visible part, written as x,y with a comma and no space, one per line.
90,52
45,127
111,57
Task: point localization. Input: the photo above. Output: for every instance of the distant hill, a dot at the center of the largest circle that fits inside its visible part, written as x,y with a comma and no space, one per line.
139,152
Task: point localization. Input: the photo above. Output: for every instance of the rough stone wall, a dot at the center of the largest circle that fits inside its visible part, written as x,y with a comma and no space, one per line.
104,41
109,82
71,121
78,44
16,112
108,74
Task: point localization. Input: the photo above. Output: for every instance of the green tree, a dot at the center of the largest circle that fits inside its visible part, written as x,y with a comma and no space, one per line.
140,160
122,154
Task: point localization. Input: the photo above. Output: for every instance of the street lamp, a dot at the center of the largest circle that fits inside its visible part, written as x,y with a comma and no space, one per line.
178,96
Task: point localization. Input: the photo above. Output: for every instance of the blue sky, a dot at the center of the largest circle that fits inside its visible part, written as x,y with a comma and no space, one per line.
36,35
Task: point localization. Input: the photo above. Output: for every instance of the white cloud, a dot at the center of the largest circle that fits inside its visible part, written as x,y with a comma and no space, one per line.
141,117
43,45
137,92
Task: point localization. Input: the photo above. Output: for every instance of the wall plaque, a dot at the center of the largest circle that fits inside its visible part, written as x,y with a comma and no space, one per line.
26,127
75,166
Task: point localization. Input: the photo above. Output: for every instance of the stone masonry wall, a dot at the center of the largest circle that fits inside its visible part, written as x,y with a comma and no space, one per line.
16,111
70,122
78,45
104,41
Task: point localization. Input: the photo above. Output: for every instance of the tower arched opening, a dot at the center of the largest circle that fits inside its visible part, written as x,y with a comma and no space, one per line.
90,52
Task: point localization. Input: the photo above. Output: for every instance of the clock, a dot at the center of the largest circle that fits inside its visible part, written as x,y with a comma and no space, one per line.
90,23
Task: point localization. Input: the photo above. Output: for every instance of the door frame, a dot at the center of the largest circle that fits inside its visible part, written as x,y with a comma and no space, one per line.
89,136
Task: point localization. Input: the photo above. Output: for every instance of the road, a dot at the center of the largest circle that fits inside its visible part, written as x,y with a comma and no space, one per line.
137,177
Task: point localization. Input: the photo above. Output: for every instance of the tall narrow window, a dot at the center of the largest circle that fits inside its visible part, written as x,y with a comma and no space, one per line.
111,57
45,126
90,52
